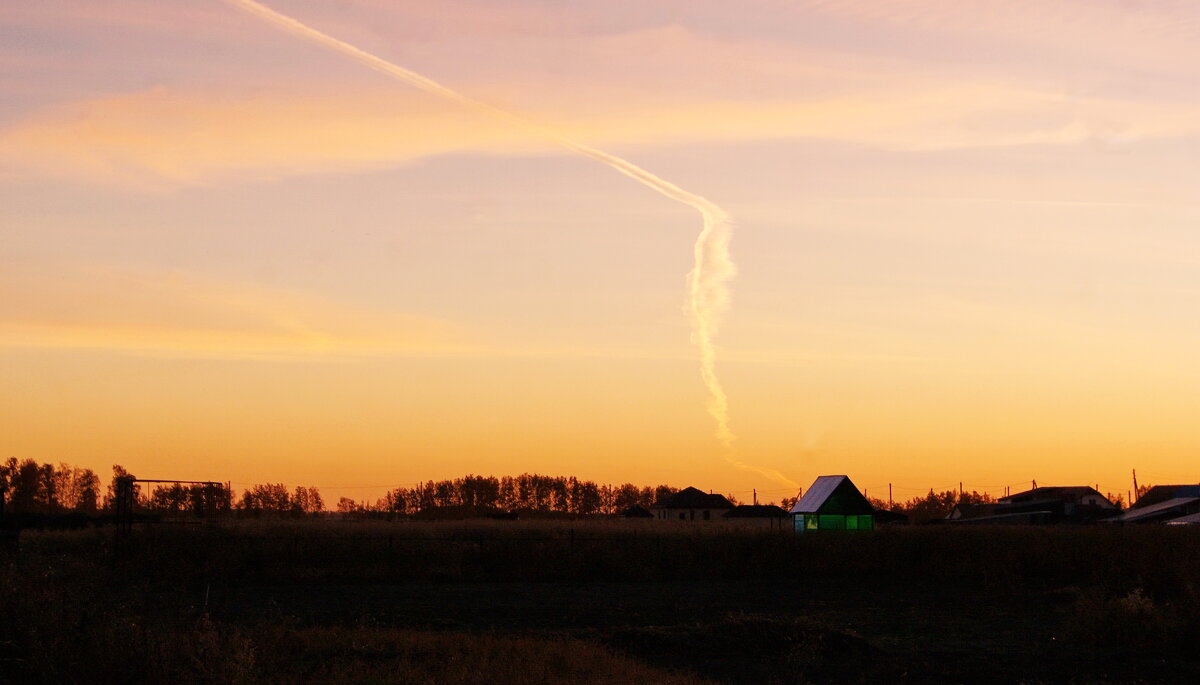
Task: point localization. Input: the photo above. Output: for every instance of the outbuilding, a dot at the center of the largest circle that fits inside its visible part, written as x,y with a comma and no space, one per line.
832,503
637,511
764,515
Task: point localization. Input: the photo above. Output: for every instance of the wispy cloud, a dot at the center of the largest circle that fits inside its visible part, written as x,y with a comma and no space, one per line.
166,138
175,312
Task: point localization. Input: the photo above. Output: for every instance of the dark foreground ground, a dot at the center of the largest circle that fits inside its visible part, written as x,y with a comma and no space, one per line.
517,602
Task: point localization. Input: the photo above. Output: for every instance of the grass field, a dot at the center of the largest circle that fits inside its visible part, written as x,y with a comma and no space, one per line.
600,601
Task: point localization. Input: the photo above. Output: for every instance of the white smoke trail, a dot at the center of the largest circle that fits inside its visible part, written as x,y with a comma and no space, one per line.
708,282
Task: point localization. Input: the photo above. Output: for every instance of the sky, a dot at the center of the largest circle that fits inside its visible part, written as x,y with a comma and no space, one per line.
965,236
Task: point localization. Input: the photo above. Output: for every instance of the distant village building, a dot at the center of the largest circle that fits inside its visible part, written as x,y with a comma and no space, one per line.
1055,504
971,510
637,511
1162,493
764,515
1076,495
691,504
1162,512
832,503
1189,520
885,517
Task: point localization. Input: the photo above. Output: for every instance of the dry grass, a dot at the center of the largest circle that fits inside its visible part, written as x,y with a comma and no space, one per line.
78,634
1160,560
70,613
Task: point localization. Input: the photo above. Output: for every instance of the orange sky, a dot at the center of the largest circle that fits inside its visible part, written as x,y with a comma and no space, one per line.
965,236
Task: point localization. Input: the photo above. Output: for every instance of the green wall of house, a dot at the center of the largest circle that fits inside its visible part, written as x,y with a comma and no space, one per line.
810,522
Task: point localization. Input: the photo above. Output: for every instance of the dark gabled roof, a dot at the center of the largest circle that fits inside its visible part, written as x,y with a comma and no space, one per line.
1056,493
972,510
752,511
1162,493
637,511
883,516
833,495
691,498
1028,517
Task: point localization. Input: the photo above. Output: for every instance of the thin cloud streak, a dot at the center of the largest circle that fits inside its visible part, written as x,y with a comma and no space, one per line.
708,296
174,312
163,139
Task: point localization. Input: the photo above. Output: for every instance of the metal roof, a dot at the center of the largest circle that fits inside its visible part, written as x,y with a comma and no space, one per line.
1162,493
1153,509
1001,518
1189,520
819,492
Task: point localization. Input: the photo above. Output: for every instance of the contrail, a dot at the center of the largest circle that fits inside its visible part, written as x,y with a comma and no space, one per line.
708,282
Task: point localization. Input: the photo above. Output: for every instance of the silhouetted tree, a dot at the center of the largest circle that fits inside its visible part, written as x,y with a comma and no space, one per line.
110,497
24,482
664,491
938,505
1118,500
626,495
526,492
197,499
76,489
268,498
307,500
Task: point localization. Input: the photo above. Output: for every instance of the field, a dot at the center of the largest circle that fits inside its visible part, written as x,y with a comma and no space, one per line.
599,602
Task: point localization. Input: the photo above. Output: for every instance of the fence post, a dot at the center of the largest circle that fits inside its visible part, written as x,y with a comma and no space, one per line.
123,512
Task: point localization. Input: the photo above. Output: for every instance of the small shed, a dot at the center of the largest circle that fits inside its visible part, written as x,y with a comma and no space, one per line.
637,511
833,503
765,515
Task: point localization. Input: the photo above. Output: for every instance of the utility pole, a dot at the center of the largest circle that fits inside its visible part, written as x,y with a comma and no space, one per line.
890,505
755,491
1135,487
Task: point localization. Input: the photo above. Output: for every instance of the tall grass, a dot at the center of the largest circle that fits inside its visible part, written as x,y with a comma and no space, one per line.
74,608
1155,559
66,645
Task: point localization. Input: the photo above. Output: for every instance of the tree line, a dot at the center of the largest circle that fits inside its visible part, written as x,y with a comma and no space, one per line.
528,492
30,487
934,505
